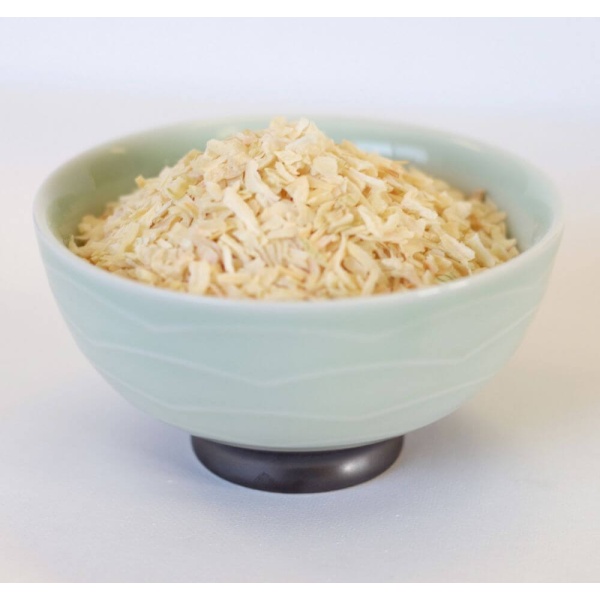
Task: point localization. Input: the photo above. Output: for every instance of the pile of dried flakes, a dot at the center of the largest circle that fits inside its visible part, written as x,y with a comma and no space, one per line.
288,214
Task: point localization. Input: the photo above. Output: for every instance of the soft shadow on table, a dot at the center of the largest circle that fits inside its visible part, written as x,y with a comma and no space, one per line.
524,400
536,400
101,479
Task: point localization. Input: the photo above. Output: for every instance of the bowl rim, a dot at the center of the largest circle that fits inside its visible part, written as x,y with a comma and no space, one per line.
477,280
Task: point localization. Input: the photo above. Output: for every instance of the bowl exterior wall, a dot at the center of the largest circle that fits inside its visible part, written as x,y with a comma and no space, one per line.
298,379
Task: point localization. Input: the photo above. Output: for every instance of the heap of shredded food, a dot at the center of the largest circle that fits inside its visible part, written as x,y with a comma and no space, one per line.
288,214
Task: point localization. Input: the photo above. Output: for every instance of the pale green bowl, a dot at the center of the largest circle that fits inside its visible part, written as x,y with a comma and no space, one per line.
294,375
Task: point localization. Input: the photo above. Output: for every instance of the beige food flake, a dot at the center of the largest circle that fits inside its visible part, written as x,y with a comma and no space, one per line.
288,214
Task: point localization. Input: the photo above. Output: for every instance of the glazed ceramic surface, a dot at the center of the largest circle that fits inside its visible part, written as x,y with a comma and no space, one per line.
317,375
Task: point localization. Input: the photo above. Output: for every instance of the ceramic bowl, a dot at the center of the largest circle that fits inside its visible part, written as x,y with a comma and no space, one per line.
293,375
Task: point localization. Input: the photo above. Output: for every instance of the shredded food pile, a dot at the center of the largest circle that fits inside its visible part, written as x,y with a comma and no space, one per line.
288,214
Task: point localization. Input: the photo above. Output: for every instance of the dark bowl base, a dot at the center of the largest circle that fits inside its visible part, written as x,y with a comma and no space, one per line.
297,472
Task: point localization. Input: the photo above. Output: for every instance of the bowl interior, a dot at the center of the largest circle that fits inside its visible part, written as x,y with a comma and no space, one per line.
87,183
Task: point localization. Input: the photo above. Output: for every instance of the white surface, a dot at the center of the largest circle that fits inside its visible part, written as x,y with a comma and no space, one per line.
333,64
505,489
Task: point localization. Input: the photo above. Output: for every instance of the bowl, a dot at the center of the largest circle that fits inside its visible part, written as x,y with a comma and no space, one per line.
300,377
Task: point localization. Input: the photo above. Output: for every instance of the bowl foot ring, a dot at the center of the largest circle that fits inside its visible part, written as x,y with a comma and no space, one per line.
297,472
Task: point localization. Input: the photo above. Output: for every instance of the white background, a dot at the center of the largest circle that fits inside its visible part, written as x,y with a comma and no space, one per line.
505,489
